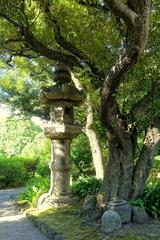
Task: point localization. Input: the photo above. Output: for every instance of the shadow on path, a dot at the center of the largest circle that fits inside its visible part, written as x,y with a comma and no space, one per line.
14,225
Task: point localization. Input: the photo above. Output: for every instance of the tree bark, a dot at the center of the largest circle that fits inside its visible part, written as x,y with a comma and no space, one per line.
117,181
94,141
119,172
134,44
92,135
146,158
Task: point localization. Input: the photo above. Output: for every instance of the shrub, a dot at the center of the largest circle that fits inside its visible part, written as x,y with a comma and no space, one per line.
35,187
151,195
86,186
40,149
155,172
16,171
151,198
138,202
43,168
81,157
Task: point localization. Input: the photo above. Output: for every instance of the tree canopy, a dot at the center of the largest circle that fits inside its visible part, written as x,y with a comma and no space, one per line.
51,31
101,41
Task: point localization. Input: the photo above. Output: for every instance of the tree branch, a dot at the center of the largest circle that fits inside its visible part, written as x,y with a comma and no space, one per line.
67,45
75,50
145,161
38,47
112,82
13,22
146,102
13,40
141,105
118,8
94,5
136,39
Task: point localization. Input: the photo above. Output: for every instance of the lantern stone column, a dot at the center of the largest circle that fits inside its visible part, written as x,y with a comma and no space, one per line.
60,167
62,97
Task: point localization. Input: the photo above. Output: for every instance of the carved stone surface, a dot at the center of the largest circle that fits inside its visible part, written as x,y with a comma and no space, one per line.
63,89
62,131
139,215
62,113
60,167
123,208
62,97
111,221
62,92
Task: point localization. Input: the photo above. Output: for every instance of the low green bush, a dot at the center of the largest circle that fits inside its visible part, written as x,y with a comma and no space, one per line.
151,198
151,195
81,157
43,168
155,171
86,186
138,202
35,187
40,149
16,171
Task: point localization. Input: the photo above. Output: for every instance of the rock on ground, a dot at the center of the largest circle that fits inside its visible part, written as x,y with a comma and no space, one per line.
111,221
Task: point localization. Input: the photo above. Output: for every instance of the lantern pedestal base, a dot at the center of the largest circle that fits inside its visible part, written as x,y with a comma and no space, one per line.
46,201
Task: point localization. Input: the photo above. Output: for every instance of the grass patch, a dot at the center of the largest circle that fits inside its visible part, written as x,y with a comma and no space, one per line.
66,222
131,237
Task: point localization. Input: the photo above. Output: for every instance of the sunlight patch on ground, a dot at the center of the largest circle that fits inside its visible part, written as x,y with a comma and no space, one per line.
14,218
4,112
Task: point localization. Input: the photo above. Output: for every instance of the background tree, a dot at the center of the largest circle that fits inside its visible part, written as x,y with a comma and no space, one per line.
14,136
58,31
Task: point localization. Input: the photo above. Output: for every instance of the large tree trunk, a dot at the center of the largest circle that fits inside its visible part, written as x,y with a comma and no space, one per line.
125,179
117,181
119,172
145,161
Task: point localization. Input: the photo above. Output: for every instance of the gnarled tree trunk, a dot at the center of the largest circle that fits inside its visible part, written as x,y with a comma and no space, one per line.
145,161
125,178
119,172
117,182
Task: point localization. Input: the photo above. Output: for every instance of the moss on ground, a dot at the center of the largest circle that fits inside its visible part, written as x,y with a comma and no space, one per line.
131,237
66,222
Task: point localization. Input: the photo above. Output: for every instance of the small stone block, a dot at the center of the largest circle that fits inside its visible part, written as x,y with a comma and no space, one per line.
111,221
139,215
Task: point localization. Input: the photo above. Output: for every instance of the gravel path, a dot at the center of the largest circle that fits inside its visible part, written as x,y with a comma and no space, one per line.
14,225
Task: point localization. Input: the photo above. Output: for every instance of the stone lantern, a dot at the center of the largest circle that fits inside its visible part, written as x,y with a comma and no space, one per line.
62,97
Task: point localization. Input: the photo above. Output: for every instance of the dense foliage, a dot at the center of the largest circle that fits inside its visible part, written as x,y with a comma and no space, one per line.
16,171
34,189
86,186
40,149
15,133
81,158
151,198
